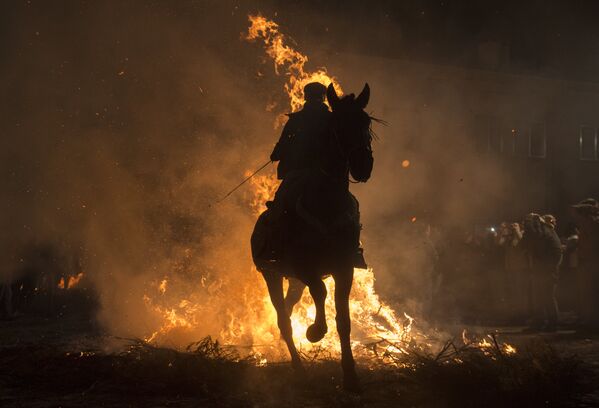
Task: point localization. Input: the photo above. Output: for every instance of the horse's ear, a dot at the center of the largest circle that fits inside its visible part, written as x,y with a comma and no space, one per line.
364,96
332,96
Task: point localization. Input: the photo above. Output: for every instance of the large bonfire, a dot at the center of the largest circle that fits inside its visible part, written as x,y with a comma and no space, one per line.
376,328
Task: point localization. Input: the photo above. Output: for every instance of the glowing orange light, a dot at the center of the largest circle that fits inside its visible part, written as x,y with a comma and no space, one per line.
405,163
373,321
74,280
71,282
285,56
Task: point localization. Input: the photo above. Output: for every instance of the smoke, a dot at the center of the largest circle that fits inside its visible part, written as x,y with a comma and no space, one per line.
126,121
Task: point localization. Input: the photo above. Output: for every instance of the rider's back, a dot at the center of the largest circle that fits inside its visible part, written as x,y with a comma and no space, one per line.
299,146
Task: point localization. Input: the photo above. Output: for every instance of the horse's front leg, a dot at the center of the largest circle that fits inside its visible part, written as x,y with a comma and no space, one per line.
294,294
343,283
318,329
274,282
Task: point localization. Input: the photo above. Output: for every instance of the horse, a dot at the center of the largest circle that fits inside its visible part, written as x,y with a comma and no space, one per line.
322,230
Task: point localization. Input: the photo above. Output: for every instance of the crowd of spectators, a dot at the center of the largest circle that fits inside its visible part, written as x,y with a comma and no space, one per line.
518,273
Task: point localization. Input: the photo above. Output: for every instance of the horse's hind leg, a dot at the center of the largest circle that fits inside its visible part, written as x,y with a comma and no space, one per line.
274,282
294,294
318,329
343,283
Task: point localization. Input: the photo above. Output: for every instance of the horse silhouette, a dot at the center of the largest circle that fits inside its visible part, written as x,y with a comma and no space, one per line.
322,230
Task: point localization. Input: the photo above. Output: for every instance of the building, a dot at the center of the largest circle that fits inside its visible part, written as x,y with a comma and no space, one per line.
485,145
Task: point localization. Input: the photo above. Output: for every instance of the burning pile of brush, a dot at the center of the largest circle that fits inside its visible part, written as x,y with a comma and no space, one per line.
378,331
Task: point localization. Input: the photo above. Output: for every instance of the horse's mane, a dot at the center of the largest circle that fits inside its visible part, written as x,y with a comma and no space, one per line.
371,132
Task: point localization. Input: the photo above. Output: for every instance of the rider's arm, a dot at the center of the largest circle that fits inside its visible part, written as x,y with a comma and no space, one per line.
282,144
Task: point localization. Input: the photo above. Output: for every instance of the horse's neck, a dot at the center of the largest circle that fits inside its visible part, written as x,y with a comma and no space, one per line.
334,161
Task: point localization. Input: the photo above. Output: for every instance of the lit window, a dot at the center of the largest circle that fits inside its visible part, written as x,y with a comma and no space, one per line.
587,142
537,143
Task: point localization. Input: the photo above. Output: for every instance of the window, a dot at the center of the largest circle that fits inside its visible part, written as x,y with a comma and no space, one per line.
587,142
508,141
510,138
537,143
520,141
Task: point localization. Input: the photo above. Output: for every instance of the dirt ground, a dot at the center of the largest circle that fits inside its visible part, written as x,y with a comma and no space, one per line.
68,361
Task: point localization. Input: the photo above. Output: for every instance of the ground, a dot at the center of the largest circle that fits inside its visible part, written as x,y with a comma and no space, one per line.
68,361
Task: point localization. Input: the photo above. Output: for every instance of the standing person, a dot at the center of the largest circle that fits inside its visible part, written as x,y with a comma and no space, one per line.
544,251
551,222
586,217
569,271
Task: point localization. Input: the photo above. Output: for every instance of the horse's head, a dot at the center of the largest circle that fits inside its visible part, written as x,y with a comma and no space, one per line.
351,125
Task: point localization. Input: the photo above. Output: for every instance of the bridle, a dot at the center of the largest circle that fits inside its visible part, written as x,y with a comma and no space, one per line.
343,153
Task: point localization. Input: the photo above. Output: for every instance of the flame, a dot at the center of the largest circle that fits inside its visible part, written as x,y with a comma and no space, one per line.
71,282
249,321
484,344
74,280
162,286
376,327
275,45
377,330
264,189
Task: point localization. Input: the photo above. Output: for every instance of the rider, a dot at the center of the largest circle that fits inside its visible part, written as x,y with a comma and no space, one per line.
297,152
298,146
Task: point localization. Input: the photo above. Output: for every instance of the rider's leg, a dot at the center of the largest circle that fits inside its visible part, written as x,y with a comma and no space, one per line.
343,283
294,294
274,282
318,329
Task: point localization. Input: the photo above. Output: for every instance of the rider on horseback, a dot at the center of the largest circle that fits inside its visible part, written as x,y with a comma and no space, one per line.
301,153
296,153
299,144
312,228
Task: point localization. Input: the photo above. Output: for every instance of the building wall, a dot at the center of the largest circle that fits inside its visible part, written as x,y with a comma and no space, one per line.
451,121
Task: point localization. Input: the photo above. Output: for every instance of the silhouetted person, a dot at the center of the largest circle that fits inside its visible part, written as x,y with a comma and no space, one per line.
297,151
544,251
586,216
299,144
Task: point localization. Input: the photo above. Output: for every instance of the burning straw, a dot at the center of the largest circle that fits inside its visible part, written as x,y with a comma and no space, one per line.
208,372
180,308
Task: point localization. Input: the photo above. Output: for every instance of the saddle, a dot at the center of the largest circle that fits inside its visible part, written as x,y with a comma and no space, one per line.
268,238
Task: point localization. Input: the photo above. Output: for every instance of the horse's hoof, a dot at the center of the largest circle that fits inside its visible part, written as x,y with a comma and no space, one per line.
315,332
351,383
